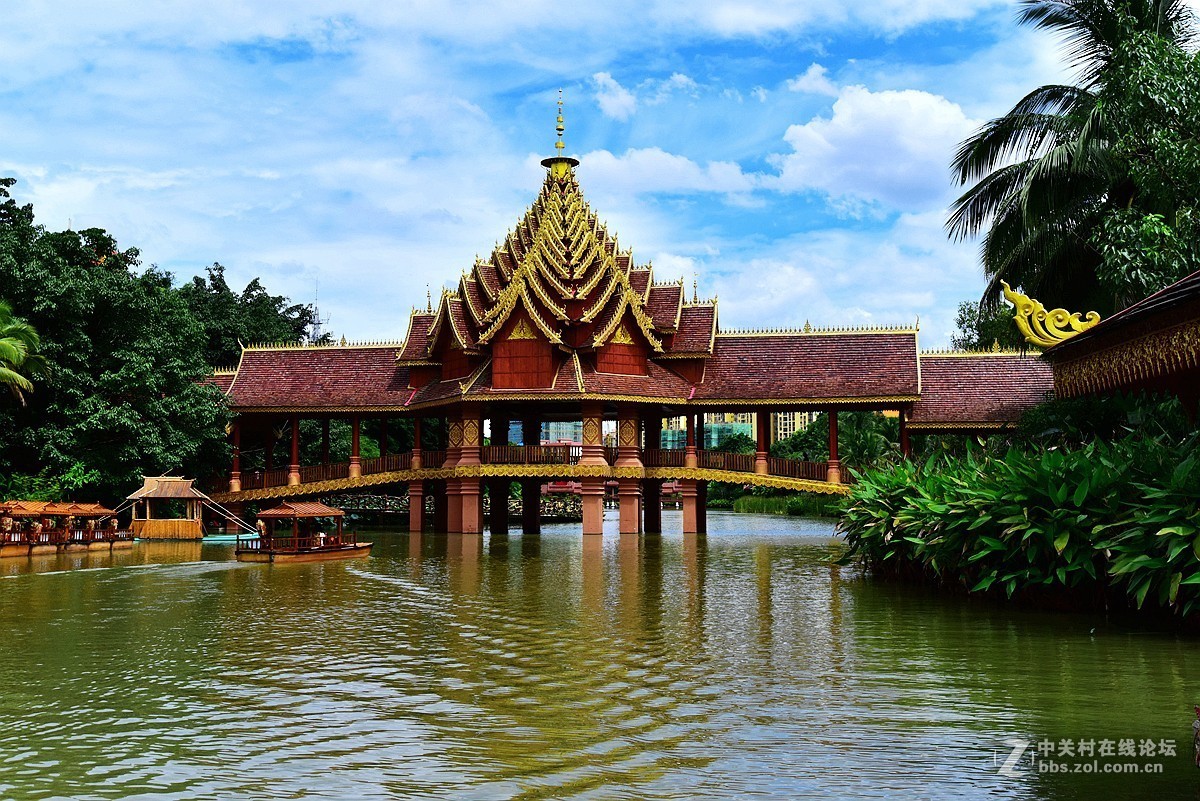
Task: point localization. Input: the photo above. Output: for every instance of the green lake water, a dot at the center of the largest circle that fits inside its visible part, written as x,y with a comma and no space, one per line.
734,665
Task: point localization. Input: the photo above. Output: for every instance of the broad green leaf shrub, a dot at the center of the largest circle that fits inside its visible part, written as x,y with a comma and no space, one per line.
1119,515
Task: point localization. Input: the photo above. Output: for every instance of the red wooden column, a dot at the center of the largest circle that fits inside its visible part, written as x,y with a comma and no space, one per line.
416,506
470,487
355,433
688,493
834,473
905,444
652,487
531,488
629,460
294,464
689,453
687,487
235,472
762,420
416,487
593,457
325,441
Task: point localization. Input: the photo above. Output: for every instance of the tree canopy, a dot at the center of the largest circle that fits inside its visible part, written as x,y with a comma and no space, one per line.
1045,178
230,319
124,393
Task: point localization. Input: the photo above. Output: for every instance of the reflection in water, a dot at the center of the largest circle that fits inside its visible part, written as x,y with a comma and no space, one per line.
461,666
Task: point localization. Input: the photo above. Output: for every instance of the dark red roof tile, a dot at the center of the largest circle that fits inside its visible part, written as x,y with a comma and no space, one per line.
664,305
982,389
320,377
222,380
639,279
659,383
417,341
697,324
475,301
851,365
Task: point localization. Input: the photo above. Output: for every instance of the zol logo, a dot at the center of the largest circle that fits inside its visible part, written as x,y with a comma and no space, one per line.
1009,768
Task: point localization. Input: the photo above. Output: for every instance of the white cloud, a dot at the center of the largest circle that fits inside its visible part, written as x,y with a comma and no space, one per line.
887,148
318,141
615,100
652,169
846,276
814,81
678,83
891,17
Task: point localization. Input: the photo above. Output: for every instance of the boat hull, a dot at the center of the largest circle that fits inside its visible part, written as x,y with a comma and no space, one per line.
279,557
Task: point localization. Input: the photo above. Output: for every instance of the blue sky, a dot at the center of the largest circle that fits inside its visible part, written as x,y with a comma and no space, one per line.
793,156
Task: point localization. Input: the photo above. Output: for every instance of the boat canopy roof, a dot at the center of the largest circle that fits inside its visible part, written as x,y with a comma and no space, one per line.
53,509
290,510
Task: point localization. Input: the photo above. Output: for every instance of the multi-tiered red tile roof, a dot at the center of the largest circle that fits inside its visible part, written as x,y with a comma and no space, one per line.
559,310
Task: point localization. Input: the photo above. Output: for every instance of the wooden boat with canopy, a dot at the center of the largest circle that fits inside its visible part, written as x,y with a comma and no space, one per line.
36,527
304,540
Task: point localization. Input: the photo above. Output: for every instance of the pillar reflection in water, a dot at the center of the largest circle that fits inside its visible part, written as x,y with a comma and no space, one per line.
762,574
463,552
592,581
629,572
695,551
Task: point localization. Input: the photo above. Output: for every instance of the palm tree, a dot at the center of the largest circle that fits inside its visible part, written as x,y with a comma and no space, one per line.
18,357
1043,174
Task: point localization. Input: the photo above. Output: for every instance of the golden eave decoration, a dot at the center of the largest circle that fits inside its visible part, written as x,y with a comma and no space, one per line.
1044,328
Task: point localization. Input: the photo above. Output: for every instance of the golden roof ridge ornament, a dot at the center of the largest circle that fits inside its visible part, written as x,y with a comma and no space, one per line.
1043,328
560,165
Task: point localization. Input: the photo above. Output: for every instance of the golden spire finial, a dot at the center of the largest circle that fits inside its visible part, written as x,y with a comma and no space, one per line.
428,300
695,289
559,127
560,165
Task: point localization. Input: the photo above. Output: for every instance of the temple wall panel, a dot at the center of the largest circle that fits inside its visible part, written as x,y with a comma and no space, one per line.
456,364
522,364
625,359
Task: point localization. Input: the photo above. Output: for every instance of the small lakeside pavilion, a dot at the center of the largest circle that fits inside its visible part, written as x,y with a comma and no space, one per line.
167,508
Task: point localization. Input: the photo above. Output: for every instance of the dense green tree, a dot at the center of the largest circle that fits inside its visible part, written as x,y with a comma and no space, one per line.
124,396
1154,240
982,327
230,319
864,440
736,443
1043,176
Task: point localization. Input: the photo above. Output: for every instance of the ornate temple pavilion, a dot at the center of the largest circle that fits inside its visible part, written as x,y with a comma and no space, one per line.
561,323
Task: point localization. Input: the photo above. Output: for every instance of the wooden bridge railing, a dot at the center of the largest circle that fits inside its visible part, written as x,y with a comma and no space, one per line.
794,468
664,457
323,472
532,454
432,458
386,464
719,460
